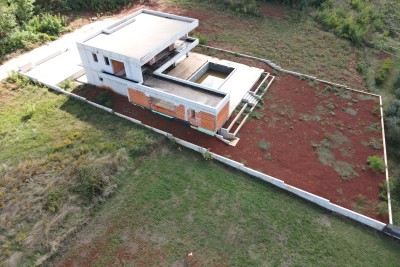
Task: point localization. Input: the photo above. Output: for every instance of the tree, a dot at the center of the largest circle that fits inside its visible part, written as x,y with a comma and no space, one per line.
7,19
393,123
23,10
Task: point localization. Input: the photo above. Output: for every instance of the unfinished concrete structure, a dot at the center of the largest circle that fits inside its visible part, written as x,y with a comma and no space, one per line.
145,57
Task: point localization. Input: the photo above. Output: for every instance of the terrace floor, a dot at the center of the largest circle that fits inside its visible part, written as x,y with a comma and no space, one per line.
237,84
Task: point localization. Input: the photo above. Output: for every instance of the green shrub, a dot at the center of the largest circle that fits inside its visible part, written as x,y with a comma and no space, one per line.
356,25
29,111
202,38
356,4
54,200
243,6
66,84
207,155
49,24
396,87
383,71
382,208
392,123
89,183
264,144
361,68
376,163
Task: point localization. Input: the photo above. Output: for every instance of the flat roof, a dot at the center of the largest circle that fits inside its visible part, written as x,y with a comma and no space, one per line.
143,34
197,95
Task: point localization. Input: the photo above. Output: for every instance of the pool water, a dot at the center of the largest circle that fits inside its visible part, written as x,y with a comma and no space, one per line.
212,78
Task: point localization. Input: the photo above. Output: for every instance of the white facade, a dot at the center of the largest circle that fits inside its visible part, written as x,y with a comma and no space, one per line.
133,41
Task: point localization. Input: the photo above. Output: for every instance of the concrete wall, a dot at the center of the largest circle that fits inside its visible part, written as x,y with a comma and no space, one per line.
132,68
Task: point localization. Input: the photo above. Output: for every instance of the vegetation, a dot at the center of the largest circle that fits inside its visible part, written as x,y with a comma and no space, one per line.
376,163
177,203
54,147
383,71
78,5
392,121
22,28
264,144
60,158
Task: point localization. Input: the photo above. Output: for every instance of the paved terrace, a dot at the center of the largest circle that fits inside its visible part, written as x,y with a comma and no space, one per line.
237,84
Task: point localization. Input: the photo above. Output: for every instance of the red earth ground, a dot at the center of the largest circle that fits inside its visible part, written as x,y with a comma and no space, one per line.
297,117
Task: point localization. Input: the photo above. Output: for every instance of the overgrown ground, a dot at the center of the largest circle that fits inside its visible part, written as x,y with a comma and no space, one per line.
59,160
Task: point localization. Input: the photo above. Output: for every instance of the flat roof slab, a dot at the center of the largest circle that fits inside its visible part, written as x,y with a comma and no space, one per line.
197,95
145,33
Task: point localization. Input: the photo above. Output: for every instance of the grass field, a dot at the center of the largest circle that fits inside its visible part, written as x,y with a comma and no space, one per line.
67,168
59,159
177,203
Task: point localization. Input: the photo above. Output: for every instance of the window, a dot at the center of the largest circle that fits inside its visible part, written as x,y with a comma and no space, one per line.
95,57
192,114
107,61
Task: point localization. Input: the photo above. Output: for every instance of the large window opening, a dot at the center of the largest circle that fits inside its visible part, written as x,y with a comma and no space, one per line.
118,68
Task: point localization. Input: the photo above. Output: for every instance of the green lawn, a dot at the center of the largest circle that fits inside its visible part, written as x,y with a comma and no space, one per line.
177,203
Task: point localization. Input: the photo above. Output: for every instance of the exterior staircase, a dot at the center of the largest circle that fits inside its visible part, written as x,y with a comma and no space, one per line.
249,102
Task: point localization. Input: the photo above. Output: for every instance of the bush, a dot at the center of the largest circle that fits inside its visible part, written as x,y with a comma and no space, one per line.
396,87
48,24
355,25
376,163
54,200
207,155
383,71
243,6
392,122
382,208
89,183
264,144
361,68
29,111
202,38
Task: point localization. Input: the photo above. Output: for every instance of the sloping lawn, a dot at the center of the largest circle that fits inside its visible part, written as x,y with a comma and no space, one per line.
177,203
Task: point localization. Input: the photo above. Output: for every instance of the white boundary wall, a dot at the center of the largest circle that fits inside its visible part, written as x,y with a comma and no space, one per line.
322,202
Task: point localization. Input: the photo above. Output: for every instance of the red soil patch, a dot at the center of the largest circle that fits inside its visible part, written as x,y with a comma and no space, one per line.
273,11
295,115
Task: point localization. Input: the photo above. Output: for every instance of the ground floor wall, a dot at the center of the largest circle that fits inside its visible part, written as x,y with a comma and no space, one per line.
198,118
